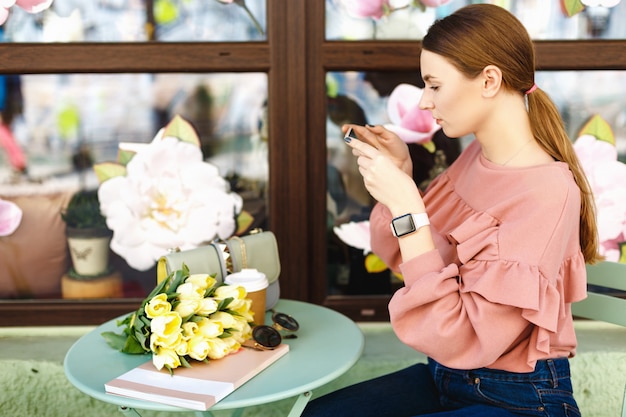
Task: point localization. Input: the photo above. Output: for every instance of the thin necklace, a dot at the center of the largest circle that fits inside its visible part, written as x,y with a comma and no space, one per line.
517,153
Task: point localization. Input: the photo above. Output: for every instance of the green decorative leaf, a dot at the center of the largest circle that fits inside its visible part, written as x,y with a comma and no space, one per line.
116,341
165,11
430,146
244,221
108,170
572,7
68,121
124,156
332,87
374,264
599,128
182,129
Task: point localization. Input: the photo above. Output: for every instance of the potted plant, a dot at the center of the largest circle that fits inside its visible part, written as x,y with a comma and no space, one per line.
88,240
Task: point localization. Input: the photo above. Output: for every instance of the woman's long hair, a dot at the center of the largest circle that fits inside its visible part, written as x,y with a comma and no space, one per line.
482,34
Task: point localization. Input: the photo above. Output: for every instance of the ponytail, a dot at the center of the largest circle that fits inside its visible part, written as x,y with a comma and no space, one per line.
548,130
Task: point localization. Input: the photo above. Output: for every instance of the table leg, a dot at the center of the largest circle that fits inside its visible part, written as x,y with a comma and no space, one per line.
131,412
299,405
237,413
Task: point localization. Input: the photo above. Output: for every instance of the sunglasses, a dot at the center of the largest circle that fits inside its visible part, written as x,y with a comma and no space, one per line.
266,337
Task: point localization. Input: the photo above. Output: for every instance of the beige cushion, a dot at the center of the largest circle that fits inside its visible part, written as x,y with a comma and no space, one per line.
34,258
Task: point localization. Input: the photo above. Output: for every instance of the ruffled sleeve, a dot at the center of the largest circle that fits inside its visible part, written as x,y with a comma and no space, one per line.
488,312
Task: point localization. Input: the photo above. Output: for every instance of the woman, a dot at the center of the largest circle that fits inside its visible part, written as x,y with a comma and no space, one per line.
494,253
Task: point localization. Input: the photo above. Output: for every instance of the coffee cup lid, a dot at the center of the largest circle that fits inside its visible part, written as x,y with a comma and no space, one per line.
249,278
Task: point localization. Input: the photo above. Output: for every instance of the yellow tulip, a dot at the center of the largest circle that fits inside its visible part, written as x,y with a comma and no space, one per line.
187,307
189,291
198,348
210,328
203,281
207,306
158,306
226,320
166,325
164,357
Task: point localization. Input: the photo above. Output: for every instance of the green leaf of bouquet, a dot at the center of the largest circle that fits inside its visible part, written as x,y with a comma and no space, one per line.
133,346
232,312
139,339
599,128
160,287
126,321
142,321
572,7
225,334
107,170
179,278
224,303
115,340
181,129
184,362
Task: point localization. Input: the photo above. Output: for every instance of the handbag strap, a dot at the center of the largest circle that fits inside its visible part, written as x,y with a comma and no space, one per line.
244,256
220,257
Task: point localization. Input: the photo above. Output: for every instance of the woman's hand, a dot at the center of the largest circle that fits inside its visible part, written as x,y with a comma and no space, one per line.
388,183
387,143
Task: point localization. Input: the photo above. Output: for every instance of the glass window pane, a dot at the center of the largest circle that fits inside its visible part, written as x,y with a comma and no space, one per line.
212,20
581,94
127,21
63,123
544,19
364,97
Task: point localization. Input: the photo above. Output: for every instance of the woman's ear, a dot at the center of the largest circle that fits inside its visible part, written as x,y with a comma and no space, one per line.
492,80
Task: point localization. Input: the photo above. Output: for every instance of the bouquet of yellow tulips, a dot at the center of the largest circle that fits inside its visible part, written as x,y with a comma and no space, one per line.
186,317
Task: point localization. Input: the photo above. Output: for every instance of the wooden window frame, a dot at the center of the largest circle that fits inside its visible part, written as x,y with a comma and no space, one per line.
296,58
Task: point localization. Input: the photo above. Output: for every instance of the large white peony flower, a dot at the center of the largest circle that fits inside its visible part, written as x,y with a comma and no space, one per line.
168,198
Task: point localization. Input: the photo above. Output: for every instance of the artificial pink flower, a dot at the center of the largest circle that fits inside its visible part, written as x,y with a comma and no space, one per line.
434,3
4,14
355,234
31,6
10,217
34,6
607,178
367,8
408,121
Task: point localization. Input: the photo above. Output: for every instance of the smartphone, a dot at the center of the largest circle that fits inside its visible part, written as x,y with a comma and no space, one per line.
351,134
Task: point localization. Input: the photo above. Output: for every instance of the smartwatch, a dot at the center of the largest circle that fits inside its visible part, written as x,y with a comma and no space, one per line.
408,223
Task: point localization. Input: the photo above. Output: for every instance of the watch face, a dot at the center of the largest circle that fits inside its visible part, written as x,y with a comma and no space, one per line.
403,225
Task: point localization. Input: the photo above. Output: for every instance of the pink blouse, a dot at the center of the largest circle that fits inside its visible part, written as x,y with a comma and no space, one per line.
497,290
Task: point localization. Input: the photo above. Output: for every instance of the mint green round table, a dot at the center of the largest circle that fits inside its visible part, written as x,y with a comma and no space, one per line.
328,344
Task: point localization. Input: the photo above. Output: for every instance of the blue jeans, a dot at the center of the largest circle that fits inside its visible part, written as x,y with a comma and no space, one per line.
435,390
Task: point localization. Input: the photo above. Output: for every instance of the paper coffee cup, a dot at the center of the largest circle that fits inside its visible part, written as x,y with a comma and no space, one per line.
255,284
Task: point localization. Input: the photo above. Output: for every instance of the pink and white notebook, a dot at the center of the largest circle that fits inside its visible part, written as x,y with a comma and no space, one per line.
198,387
